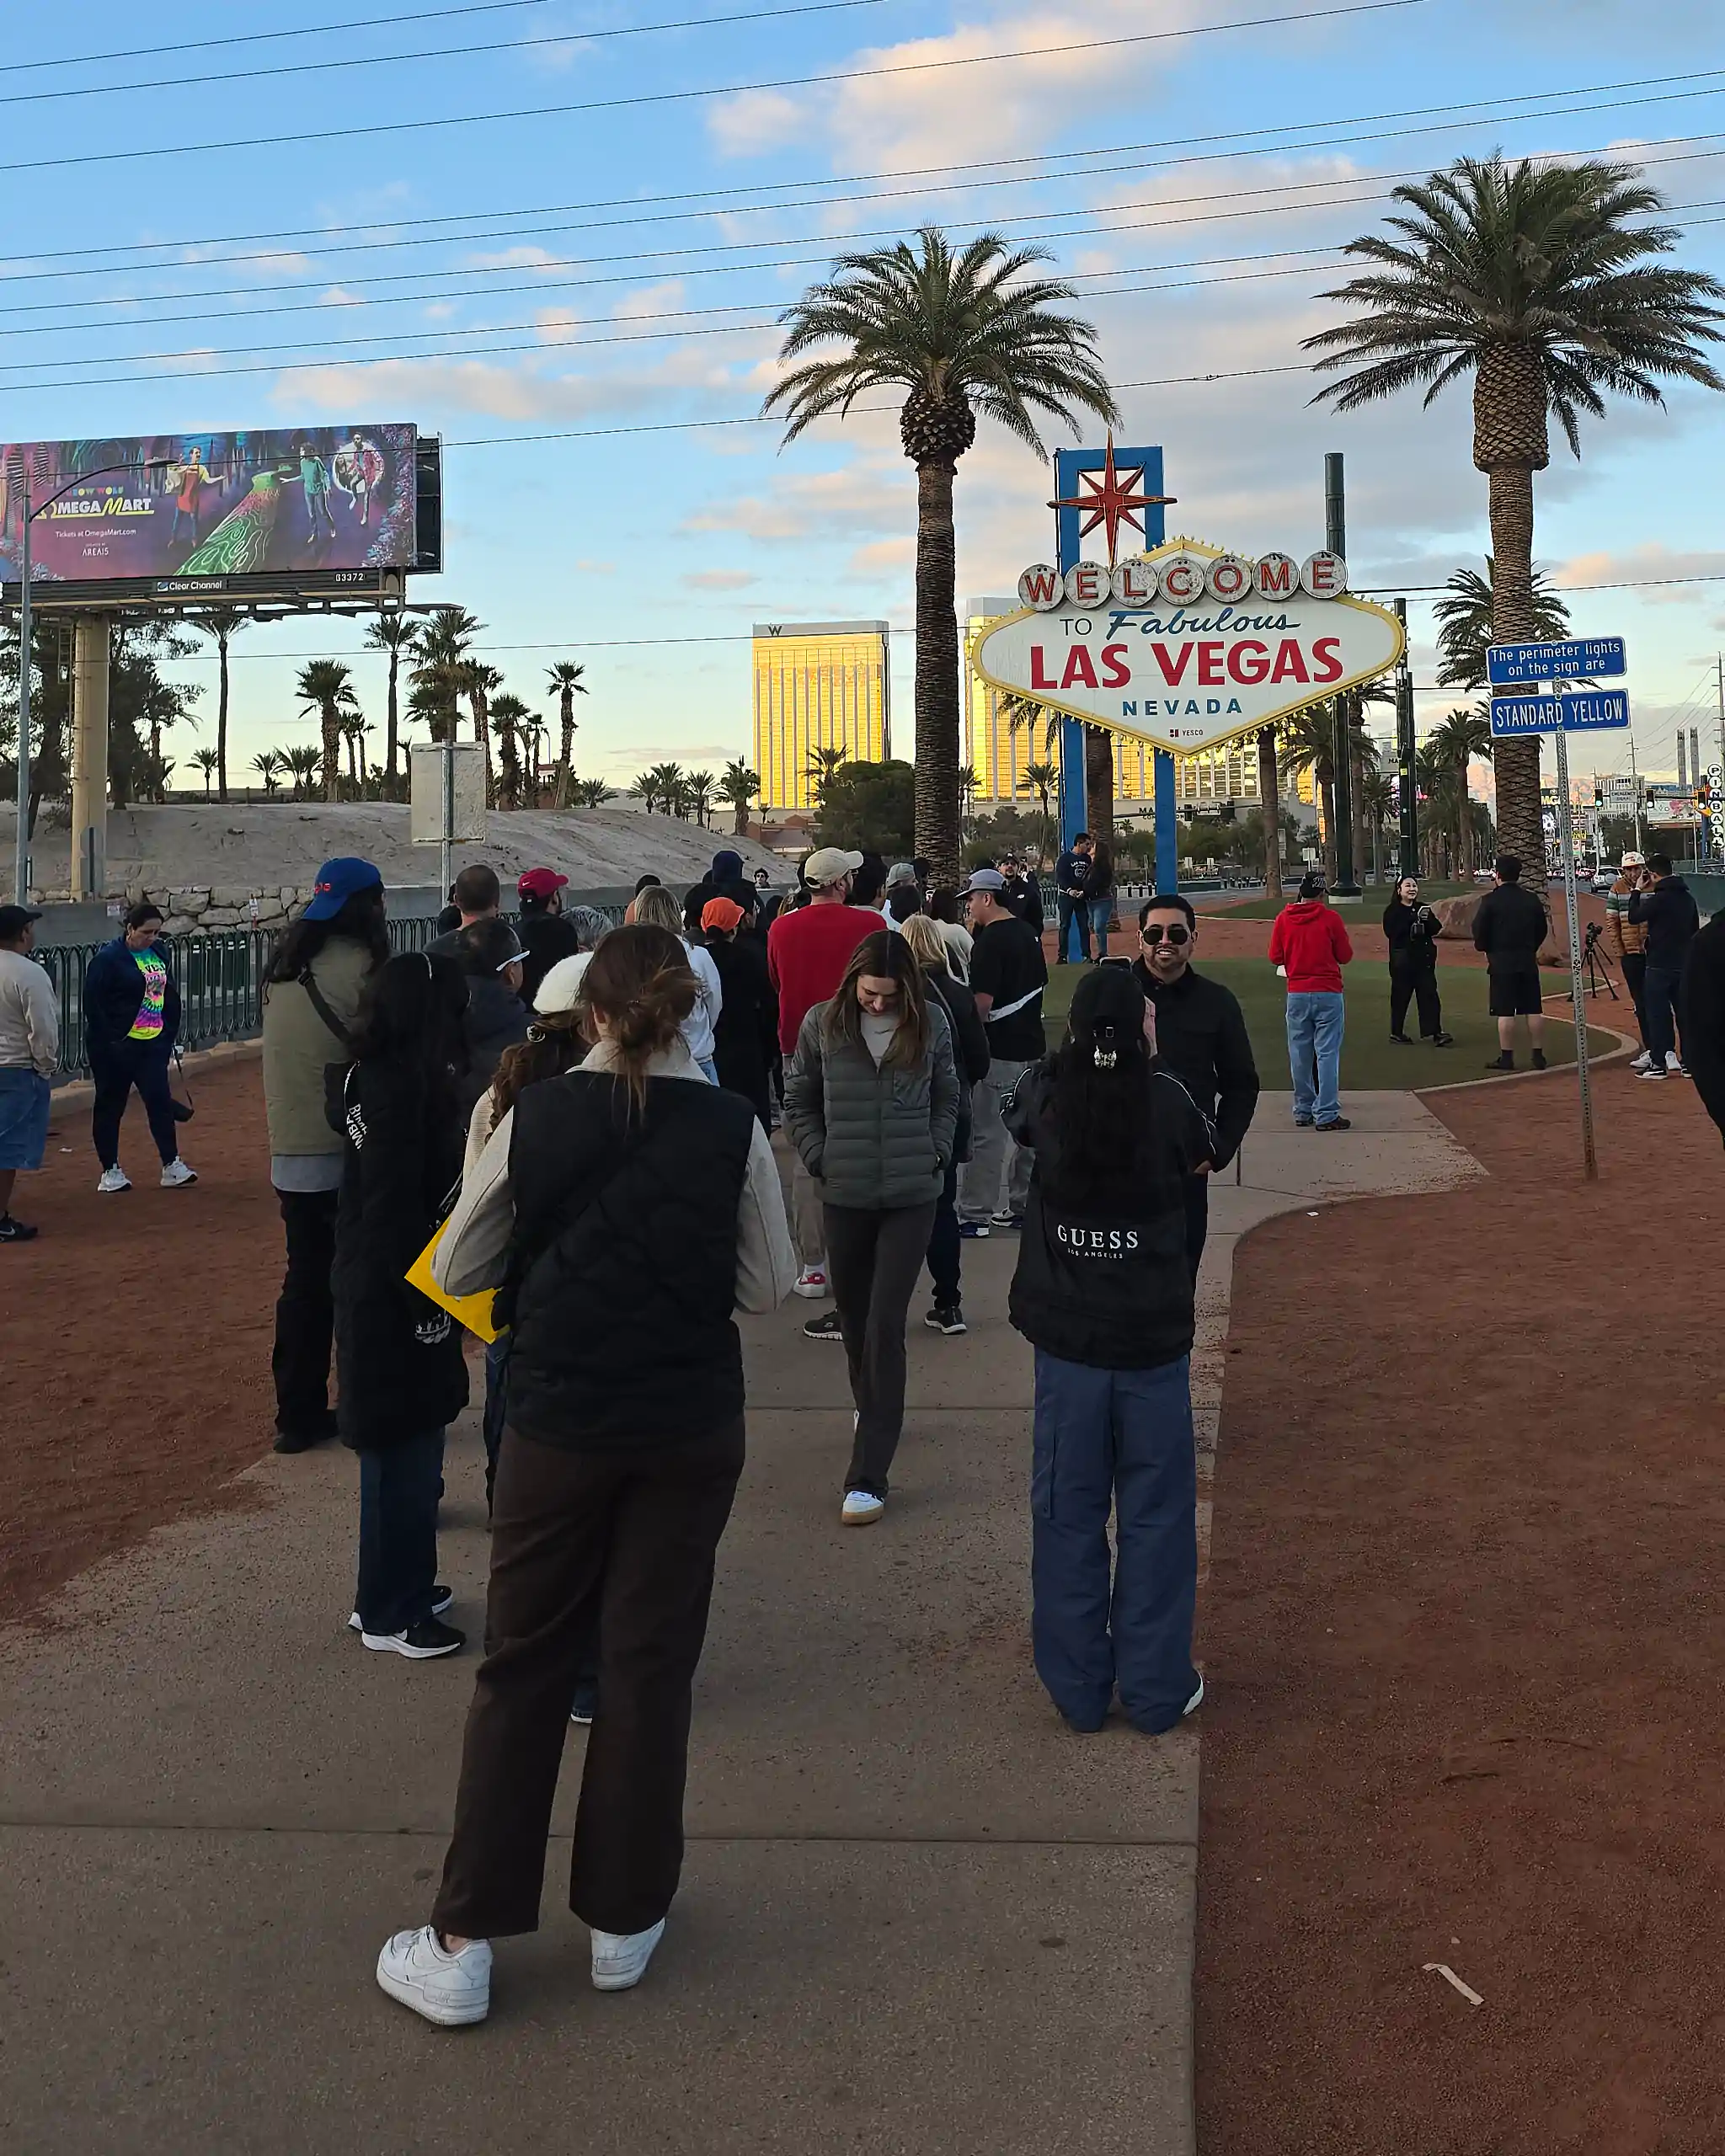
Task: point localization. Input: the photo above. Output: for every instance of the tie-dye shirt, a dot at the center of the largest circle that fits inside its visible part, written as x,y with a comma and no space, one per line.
147,1025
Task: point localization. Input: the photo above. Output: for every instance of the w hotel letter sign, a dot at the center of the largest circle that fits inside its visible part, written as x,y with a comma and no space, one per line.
1186,646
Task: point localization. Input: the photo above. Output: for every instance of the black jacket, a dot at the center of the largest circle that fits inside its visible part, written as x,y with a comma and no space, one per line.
113,994
1201,1036
745,1033
1669,914
1701,1013
623,1274
969,1046
546,937
1023,895
398,1356
738,889
1509,928
1109,1285
1412,936
495,1019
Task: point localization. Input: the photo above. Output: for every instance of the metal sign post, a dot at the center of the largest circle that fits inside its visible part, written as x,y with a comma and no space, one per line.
1569,712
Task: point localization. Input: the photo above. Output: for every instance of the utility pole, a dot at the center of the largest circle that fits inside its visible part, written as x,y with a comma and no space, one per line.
1407,754
1635,785
1336,540
21,867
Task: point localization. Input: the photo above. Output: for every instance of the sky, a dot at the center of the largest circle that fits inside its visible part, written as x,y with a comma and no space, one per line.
558,232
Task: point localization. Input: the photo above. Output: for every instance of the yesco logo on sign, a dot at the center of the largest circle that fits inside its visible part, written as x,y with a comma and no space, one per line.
1187,646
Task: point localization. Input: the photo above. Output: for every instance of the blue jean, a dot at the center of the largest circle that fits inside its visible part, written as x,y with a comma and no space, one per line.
1658,992
1315,1023
1124,1438
1072,909
1101,913
118,1068
399,1487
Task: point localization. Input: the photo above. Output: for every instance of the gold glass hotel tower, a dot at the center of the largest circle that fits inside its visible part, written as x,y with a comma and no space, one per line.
817,685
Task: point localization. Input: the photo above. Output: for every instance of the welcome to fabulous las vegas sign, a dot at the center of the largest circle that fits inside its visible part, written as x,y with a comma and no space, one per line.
1187,646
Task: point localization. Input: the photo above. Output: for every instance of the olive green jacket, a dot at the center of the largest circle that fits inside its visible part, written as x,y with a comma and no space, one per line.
297,1046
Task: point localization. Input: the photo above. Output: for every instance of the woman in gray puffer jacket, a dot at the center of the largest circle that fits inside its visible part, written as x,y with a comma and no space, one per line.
872,1106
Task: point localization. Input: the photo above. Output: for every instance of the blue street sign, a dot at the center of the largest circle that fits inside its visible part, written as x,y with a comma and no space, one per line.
1575,711
1584,658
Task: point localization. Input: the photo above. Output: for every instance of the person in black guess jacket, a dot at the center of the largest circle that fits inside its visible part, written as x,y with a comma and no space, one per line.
398,1355
1104,1294
1201,1037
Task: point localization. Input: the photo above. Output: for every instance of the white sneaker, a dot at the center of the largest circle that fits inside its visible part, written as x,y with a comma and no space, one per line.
620,1958
1194,1703
113,1180
860,1509
177,1175
1655,1071
451,1990
1675,1067
811,1281
1642,1061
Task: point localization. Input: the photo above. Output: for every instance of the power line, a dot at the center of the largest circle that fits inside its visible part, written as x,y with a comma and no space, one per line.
440,52
1257,149
266,37
682,97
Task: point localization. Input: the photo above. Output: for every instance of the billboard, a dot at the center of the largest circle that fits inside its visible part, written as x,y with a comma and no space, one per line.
319,505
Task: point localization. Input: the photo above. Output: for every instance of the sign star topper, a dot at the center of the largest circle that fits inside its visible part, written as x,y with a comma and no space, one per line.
1107,497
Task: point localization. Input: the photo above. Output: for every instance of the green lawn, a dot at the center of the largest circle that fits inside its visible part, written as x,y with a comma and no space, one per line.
1368,906
1369,1059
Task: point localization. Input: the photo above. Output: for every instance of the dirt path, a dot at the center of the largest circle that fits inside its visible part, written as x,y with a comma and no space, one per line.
1464,1634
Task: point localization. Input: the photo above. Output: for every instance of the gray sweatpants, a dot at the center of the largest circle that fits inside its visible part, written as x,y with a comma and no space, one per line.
997,1177
875,1259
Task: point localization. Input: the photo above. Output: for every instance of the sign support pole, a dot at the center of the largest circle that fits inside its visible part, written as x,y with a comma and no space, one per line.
1407,757
1342,787
446,846
21,866
1566,836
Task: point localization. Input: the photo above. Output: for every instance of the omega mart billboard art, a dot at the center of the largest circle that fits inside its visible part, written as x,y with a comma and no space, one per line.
278,502
1186,646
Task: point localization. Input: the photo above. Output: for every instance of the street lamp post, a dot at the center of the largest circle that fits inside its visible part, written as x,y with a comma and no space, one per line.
21,865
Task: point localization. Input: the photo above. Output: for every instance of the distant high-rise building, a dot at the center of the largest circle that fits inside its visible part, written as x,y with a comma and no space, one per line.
817,685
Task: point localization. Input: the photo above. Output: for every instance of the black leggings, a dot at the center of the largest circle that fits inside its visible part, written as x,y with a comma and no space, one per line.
1409,982
116,1069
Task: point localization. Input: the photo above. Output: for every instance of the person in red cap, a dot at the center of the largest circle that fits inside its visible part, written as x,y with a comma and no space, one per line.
745,1033
546,935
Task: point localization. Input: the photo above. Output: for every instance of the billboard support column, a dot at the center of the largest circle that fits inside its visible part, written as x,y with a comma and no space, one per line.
89,756
21,868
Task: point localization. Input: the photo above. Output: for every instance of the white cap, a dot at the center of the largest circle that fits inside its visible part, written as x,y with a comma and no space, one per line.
562,985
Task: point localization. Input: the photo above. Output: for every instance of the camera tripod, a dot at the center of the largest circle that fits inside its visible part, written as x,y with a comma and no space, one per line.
1597,962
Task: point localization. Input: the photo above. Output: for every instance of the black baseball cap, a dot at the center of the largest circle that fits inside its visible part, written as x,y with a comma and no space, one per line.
14,919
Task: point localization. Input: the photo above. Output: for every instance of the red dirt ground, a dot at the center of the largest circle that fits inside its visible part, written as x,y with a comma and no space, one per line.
1465,1637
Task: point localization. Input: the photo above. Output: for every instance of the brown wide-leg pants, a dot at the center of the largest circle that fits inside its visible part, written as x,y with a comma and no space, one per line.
626,1539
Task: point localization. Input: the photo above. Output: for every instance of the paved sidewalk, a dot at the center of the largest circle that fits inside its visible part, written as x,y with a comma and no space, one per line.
918,1914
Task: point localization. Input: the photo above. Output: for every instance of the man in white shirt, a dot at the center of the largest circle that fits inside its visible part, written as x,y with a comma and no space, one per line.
30,1052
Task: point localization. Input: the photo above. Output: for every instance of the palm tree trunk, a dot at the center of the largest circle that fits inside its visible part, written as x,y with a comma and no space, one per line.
566,755
1464,825
481,735
1269,798
937,692
1324,787
331,719
1099,785
1521,830
740,827
392,739
222,710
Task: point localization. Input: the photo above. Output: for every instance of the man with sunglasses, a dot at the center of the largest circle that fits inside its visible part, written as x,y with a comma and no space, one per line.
1200,1037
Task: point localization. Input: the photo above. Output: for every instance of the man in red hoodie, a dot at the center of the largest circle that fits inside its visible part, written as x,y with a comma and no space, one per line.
1308,943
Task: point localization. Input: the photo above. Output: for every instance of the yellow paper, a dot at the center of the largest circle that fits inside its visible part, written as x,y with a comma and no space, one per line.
471,1312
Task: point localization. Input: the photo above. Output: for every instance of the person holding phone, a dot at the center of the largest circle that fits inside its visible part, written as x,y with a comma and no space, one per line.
1411,929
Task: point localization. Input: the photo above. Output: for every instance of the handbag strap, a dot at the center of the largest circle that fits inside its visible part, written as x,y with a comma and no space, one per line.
315,996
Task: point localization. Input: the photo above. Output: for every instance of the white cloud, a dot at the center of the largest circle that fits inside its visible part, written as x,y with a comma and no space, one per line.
720,579
515,258
596,568
339,295
1644,564
651,300
555,325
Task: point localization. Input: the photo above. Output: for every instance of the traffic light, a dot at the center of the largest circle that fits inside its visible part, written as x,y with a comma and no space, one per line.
1599,796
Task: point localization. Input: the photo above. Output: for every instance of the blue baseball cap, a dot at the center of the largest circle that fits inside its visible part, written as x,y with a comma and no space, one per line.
337,882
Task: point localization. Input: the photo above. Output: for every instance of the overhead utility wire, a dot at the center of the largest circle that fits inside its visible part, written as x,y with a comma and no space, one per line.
638,99
267,37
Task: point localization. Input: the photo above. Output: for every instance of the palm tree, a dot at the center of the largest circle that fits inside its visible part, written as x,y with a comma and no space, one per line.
206,762
395,634
1044,778
304,762
442,647
1464,621
354,729
1308,744
266,763
700,785
326,686
821,764
593,792
476,680
220,623
1461,737
564,682
961,331
738,786
646,787
1532,278
1269,798
1377,797
510,718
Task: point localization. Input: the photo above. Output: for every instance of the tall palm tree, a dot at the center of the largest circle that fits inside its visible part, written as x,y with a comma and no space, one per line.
821,764
1042,778
510,718
326,687
304,762
564,682
1377,797
206,760
738,786
961,331
477,681
442,652
220,623
1455,743
1269,796
266,763
395,634
700,785
1530,278
1464,617
1308,744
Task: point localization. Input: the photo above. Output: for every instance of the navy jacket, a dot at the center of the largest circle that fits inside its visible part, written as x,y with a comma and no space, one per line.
113,994
1669,914
1070,869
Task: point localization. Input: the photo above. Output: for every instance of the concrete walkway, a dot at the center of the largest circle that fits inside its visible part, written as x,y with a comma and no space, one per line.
918,1914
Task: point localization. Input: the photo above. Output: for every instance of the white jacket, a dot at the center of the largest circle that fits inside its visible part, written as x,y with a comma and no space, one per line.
30,1016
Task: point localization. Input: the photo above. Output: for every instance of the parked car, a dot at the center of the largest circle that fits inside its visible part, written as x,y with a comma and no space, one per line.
1603,878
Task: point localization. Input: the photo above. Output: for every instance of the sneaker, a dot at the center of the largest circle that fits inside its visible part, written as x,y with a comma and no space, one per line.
441,1597
1656,1071
1402,1040
620,1958
1640,1062
1337,1123
451,1990
860,1509
826,1326
177,1175
972,1231
1302,1122
14,1231
1161,1728
1501,1063
585,1701
422,1642
1005,1222
1539,1060
113,1180
946,1317
1194,1703
811,1281
1675,1067
1443,1040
